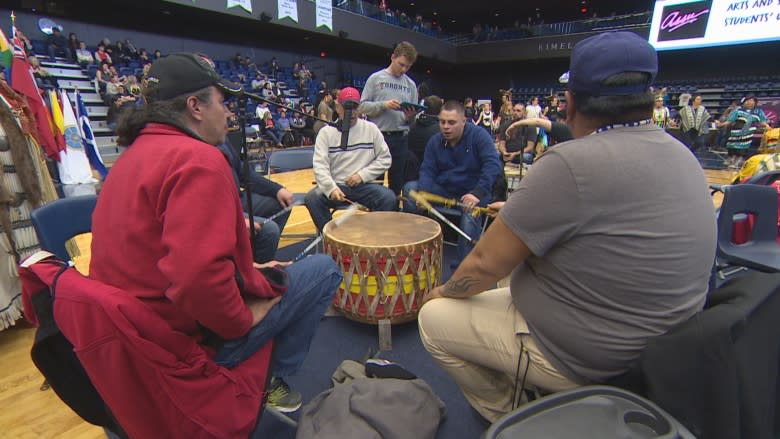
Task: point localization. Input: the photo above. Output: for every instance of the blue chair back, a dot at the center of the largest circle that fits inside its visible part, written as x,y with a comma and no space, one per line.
761,251
57,222
290,160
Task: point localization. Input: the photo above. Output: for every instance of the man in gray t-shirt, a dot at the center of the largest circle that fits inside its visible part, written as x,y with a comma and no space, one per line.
609,239
385,100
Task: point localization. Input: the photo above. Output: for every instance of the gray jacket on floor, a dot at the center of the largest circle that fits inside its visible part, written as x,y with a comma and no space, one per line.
372,408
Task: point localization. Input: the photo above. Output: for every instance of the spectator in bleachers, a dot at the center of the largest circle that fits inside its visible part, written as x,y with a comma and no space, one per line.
27,45
267,128
261,110
73,43
43,78
132,85
118,103
305,73
268,91
694,123
130,50
143,57
283,128
324,110
157,55
102,56
103,76
121,53
57,44
83,55
258,82
273,66
298,125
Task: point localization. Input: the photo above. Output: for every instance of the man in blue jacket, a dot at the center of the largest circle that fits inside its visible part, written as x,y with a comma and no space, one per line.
268,198
460,162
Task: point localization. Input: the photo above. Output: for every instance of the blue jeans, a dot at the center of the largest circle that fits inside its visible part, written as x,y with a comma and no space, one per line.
292,322
266,240
470,225
398,142
374,196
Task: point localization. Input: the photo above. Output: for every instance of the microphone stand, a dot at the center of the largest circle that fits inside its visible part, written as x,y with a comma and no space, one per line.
244,153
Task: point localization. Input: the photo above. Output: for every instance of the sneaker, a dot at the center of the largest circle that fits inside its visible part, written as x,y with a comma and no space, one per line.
282,398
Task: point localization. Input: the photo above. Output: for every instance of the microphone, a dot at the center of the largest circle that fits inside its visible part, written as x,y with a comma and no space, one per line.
346,122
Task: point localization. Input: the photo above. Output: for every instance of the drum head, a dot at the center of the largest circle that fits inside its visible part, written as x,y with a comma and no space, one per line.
383,229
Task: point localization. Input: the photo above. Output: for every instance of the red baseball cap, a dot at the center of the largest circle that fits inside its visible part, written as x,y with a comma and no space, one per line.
349,94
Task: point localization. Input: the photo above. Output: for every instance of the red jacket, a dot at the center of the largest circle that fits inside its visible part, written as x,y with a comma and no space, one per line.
157,381
169,229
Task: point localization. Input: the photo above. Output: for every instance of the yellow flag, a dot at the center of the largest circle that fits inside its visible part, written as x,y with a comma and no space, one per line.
56,112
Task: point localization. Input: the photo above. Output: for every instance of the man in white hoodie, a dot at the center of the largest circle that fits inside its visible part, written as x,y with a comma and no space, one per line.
347,174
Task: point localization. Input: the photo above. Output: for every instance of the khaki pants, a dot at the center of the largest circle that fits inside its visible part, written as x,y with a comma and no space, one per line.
478,342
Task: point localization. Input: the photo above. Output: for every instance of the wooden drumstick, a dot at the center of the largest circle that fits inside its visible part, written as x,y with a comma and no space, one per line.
336,222
451,202
422,201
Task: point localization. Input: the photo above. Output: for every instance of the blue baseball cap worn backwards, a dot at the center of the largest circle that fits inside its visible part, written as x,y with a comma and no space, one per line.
601,56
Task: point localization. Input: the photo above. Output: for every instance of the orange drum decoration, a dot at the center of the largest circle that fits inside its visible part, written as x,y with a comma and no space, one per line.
390,260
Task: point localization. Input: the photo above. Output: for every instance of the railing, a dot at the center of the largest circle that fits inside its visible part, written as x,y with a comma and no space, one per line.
562,28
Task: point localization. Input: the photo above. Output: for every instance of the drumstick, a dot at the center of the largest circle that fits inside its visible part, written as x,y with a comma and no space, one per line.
336,222
282,212
450,202
437,214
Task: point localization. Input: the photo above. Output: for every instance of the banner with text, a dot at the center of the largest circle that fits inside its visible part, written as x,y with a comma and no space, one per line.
288,9
685,24
325,14
245,4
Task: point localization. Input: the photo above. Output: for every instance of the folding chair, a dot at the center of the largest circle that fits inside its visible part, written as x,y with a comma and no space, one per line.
761,252
55,223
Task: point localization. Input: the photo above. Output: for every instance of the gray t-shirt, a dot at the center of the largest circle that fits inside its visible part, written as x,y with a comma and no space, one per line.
382,86
622,232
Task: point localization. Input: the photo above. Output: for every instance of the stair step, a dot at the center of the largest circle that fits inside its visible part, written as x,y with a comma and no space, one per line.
59,72
97,111
60,62
71,84
105,142
88,98
101,130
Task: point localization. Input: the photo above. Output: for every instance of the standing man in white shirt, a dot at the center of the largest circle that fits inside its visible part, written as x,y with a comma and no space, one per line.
383,95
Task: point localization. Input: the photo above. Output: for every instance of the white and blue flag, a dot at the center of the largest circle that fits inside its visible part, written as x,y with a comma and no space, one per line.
88,138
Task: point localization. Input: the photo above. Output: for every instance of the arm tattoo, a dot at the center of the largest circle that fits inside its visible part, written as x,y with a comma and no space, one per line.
459,288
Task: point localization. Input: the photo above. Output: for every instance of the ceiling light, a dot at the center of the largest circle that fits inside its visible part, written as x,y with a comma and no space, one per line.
435,13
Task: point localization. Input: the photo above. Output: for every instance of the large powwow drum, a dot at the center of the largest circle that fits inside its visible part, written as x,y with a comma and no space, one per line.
390,260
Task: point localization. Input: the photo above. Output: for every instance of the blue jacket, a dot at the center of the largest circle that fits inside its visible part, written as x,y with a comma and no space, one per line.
471,166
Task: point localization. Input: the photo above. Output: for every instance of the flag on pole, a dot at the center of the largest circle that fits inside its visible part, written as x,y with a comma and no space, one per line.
6,54
74,166
88,138
23,81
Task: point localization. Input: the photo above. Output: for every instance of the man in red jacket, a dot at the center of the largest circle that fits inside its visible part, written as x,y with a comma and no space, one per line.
169,229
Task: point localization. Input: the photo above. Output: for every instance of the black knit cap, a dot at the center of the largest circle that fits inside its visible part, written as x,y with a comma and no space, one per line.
181,73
